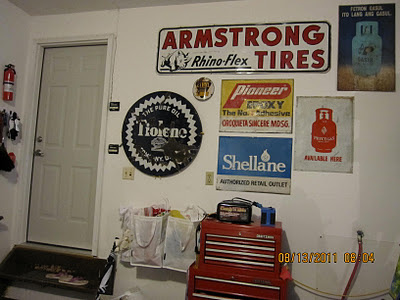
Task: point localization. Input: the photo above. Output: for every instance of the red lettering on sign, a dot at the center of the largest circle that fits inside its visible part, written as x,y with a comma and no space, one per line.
286,59
235,35
259,123
234,123
261,55
292,35
267,41
184,39
220,35
251,36
170,41
301,58
273,59
316,38
317,56
336,158
248,36
203,38
243,92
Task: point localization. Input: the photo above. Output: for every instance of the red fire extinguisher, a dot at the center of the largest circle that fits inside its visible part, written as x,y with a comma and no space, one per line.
323,131
8,82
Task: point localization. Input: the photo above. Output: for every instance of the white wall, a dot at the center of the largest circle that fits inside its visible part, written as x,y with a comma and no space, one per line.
14,33
323,211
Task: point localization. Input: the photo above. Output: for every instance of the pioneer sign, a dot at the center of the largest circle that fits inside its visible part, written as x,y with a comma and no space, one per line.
256,105
161,133
282,47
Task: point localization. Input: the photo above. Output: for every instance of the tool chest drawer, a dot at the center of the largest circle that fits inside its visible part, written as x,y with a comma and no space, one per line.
213,284
250,246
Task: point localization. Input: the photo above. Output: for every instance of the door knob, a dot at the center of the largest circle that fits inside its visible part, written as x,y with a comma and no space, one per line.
38,153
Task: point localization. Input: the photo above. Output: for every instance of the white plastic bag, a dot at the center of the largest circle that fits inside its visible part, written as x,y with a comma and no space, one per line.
180,239
148,240
129,216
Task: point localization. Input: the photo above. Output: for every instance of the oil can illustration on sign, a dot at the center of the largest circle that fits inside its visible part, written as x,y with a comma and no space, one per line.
256,105
324,134
162,133
255,164
366,58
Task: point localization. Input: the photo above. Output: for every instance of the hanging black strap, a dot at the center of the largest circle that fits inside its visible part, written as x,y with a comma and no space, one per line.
1,126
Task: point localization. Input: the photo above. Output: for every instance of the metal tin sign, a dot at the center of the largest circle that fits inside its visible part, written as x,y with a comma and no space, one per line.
203,89
113,149
324,134
254,164
367,39
276,47
114,106
256,106
161,133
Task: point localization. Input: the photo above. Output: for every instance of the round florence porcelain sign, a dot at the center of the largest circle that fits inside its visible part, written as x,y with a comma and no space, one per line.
161,133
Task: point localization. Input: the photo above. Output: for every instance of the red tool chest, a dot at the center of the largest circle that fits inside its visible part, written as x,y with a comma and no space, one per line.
237,261
214,283
248,247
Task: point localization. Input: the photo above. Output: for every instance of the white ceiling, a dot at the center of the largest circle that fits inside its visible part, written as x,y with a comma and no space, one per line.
51,7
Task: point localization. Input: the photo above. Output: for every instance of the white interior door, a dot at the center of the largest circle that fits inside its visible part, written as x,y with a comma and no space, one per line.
66,146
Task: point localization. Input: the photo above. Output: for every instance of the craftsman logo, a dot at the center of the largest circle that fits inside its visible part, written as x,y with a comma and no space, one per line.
162,133
242,92
263,236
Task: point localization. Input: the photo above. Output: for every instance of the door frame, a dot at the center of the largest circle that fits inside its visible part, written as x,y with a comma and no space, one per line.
21,230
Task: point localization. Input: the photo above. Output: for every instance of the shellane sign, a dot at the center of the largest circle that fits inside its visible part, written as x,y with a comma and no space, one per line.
286,47
256,105
161,133
254,164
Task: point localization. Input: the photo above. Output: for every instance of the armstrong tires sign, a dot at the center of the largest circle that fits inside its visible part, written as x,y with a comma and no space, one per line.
282,47
162,133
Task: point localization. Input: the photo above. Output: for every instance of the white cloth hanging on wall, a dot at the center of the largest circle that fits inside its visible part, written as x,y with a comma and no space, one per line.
162,241
148,241
179,244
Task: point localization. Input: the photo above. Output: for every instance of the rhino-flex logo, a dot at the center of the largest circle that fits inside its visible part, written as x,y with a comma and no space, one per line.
175,61
161,133
242,92
253,163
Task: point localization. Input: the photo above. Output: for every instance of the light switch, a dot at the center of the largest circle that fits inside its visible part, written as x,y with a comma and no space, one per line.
209,178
